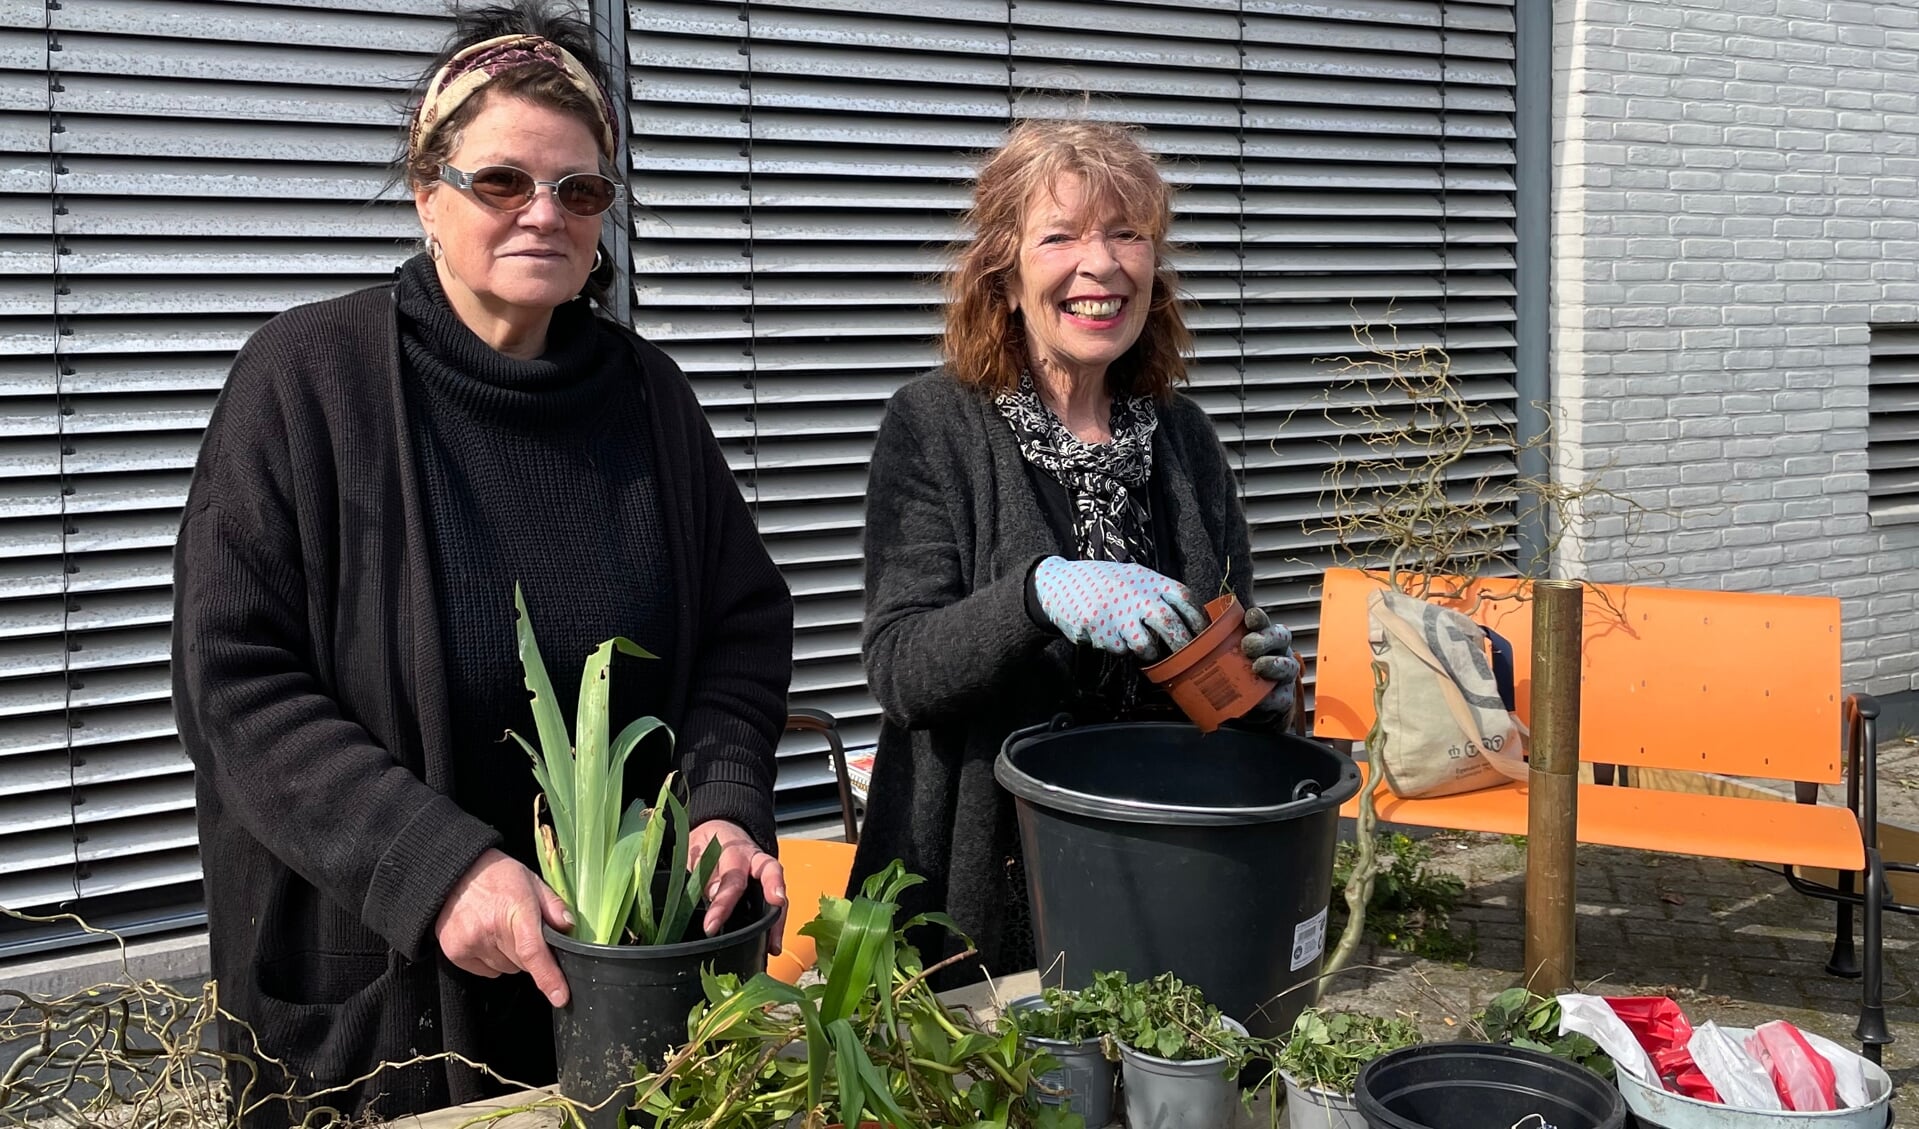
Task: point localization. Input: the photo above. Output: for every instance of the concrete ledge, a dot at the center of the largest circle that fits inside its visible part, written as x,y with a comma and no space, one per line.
173,957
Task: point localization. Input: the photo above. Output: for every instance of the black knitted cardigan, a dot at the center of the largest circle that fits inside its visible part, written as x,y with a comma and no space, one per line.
310,689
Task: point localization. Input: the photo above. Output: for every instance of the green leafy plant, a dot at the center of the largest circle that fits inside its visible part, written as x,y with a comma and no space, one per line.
1072,1015
1326,1049
1409,907
870,1040
1519,1017
598,859
1169,1018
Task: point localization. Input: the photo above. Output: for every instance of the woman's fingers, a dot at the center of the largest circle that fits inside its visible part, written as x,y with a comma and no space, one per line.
771,876
490,924
741,864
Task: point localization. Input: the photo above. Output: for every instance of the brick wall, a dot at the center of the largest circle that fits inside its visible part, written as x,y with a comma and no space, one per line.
1736,200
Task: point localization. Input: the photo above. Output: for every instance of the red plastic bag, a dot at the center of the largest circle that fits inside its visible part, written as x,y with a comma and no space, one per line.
1802,1075
1664,1031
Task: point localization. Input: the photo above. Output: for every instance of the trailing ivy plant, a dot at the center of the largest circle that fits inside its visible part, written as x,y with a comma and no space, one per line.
870,1041
1327,1049
1522,1019
1169,1018
600,861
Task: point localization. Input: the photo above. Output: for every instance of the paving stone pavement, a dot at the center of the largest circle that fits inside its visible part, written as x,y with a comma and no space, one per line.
1731,942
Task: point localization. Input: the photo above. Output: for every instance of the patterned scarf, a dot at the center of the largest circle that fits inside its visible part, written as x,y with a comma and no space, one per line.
1112,520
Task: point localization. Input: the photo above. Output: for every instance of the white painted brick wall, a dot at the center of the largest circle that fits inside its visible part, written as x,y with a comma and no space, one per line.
1736,199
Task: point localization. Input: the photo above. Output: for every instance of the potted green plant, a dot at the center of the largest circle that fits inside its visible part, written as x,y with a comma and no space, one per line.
1071,1025
868,1043
634,959
1179,1056
1321,1059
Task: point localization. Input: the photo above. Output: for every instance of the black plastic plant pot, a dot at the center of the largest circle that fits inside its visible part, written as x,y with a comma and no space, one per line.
1151,847
629,1003
1445,1085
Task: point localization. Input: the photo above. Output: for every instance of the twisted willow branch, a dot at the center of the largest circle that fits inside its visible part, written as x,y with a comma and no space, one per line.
137,1053
1420,487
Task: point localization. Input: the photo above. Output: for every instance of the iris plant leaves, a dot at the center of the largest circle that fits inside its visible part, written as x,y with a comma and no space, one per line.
599,858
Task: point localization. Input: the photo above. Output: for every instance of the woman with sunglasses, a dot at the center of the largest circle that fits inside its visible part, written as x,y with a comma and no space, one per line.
381,472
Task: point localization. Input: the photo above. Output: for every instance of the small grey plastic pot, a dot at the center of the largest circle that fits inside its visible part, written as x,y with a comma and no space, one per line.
1162,1093
1083,1082
1308,1107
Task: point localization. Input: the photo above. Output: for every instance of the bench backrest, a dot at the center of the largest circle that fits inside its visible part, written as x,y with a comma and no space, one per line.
1672,678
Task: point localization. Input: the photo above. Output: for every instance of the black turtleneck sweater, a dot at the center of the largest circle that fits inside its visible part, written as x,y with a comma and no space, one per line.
537,472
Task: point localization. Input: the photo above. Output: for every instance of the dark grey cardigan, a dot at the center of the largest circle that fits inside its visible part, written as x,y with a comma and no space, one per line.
952,531
308,682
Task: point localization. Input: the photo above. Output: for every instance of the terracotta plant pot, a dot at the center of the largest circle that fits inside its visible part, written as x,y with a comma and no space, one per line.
1210,679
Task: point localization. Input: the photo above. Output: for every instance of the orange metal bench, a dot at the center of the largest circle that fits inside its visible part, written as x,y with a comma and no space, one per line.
1715,682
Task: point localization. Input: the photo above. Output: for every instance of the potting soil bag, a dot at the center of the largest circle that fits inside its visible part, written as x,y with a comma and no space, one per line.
1735,1075
1848,1070
1802,1075
1665,1033
1594,1018
1446,720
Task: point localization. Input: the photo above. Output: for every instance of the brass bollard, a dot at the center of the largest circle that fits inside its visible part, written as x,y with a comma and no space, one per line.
1552,808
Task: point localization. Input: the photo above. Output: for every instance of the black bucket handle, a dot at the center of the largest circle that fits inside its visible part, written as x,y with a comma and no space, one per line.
1059,722
1307,789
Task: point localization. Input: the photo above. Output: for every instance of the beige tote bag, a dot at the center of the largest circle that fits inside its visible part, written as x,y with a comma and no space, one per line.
1446,722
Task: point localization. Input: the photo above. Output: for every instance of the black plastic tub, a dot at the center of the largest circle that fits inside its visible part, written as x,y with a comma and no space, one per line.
1478,1085
629,1003
1151,848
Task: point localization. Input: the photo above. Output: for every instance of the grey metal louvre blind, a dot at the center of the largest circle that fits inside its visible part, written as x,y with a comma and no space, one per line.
1892,437
798,167
33,734
801,163
1379,158
212,164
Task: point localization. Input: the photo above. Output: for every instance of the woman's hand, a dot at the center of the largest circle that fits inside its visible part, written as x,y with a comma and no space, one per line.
1126,609
741,862
1270,646
490,924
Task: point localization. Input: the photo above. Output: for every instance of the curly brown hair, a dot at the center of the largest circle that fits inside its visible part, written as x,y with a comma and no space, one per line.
984,344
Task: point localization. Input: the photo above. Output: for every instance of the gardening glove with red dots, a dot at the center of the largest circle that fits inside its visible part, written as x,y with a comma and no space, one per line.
1126,609
1270,646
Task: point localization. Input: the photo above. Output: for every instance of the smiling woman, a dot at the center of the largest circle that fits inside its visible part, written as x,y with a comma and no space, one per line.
381,470
1043,515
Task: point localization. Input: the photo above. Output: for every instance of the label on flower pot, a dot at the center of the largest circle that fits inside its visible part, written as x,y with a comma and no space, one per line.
1309,940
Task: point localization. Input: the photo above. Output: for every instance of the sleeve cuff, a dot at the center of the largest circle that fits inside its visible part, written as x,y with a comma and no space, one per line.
419,869
744,804
1035,611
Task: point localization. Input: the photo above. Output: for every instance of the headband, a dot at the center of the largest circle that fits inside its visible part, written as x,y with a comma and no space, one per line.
468,72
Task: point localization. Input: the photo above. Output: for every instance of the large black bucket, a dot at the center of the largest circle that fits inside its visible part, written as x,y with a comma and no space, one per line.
1153,848
629,1003
1479,1085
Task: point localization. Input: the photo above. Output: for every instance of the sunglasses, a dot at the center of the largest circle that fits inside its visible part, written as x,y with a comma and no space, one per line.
507,189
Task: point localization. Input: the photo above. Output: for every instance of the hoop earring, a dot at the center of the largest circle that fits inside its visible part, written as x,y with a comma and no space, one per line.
599,260
433,249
